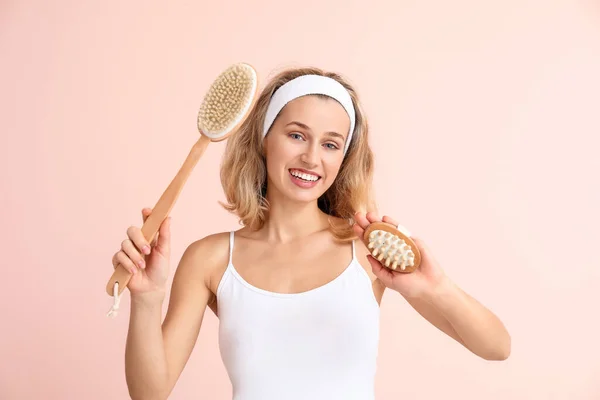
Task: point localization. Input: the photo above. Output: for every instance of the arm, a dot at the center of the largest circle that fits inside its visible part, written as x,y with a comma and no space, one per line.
156,355
439,301
463,318
434,317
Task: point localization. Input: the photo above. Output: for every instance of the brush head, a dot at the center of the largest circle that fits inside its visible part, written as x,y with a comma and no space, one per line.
393,248
227,101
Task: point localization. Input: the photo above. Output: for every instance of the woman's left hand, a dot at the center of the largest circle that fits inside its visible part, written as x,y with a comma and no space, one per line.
420,283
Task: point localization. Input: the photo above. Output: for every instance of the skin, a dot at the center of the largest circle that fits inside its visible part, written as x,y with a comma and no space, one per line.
309,133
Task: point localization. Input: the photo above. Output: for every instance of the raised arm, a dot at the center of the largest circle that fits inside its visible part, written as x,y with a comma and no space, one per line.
156,353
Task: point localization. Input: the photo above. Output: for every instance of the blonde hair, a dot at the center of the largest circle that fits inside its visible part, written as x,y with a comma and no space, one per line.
244,174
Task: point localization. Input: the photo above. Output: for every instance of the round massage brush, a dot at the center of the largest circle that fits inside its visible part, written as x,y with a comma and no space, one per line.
223,109
392,246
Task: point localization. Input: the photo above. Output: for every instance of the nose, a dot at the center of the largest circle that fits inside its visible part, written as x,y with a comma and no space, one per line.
310,156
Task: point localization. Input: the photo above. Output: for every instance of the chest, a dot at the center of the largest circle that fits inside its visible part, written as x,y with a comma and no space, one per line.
293,268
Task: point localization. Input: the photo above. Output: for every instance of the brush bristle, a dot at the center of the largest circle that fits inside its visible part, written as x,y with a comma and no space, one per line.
227,100
390,250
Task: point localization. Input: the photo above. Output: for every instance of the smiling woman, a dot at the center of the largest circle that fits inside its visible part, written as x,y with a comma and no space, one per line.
296,296
317,125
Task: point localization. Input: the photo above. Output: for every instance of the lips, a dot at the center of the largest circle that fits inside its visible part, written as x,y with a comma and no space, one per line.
305,175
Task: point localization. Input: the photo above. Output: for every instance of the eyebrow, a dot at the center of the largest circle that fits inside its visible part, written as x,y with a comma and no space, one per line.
304,126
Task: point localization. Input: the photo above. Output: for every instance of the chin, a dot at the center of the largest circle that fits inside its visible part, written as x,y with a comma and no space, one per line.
304,195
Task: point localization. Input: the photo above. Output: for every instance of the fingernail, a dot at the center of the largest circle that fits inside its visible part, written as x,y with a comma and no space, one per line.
141,263
146,250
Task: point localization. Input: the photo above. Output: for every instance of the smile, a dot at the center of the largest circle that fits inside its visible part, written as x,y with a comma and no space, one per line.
308,177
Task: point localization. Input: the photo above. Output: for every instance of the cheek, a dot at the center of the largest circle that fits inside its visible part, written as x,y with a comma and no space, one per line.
276,162
282,152
332,166
272,165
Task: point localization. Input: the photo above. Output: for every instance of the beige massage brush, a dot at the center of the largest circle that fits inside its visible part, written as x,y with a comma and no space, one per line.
392,246
223,109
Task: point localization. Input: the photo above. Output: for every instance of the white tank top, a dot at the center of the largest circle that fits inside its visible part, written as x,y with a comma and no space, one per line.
321,344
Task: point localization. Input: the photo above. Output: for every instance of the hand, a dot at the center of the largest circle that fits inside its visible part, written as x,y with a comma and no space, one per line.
420,283
148,262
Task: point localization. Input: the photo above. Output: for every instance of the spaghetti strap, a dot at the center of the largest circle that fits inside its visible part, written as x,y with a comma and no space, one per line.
231,234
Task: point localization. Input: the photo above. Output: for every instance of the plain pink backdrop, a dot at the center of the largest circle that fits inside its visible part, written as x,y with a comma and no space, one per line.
487,111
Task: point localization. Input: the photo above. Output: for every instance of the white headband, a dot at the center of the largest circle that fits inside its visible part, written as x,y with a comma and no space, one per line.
310,84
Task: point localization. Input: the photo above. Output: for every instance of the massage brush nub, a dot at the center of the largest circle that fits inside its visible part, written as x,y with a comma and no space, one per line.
392,247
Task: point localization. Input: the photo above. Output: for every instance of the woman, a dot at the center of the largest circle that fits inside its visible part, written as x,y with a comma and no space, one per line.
296,296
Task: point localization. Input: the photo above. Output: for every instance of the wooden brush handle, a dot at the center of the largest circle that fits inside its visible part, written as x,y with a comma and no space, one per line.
161,210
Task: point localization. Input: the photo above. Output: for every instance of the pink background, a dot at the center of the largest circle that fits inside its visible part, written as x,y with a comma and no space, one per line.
488,111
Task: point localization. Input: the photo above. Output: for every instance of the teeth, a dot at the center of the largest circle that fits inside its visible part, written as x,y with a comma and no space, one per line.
306,177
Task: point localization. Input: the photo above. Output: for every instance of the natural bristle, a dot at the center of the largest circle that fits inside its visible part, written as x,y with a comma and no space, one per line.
227,100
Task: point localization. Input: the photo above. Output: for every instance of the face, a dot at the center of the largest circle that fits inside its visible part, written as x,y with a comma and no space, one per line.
305,148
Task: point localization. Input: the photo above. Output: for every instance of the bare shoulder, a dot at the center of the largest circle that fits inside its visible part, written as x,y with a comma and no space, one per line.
207,256
210,248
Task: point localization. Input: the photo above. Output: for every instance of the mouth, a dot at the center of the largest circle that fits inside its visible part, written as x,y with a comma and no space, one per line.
304,175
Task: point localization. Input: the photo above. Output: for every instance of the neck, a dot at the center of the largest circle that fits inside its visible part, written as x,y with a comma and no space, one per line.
287,220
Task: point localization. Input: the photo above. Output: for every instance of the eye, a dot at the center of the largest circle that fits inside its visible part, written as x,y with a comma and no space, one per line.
332,146
295,135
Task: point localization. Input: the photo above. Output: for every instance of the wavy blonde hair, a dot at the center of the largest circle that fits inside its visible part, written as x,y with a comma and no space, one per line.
244,175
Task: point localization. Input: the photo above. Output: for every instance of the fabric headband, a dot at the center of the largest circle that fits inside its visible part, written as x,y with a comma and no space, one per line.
305,85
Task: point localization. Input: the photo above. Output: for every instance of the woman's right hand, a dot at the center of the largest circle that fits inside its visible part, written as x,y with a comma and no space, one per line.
148,262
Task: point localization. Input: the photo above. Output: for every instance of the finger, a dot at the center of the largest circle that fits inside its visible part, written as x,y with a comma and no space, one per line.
146,213
361,220
133,253
358,230
373,217
137,237
163,243
389,220
384,274
126,262
154,240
